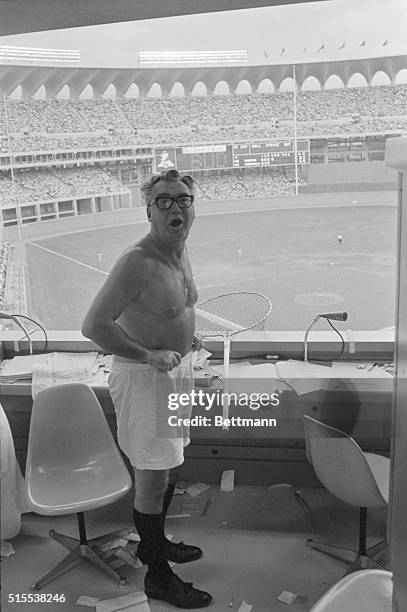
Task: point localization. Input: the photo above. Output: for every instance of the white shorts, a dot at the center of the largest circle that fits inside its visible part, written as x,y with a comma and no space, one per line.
140,395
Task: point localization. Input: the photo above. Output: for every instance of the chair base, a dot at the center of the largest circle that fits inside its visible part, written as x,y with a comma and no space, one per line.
77,552
358,561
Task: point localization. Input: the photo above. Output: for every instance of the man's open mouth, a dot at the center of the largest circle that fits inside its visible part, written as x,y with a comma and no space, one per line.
176,222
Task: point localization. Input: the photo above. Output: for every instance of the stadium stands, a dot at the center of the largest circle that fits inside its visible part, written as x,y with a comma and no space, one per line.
90,130
4,259
32,185
62,124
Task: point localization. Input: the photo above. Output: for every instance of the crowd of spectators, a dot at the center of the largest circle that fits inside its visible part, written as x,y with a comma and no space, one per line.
4,257
51,184
235,184
70,124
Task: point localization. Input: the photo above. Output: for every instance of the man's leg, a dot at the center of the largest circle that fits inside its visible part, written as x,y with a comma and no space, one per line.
150,487
160,582
177,552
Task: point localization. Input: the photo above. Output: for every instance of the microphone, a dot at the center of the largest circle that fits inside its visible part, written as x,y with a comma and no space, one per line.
5,315
335,316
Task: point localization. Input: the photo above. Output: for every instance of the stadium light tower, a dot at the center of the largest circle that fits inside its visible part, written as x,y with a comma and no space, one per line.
148,58
295,132
37,56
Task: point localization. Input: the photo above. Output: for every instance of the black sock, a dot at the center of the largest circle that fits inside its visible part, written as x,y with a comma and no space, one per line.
149,527
166,503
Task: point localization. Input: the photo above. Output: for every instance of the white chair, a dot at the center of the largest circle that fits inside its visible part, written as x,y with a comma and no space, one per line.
363,591
73,465
354,477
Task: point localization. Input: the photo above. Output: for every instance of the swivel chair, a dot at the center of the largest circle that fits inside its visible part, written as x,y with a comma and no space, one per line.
367,590
354,477
73,465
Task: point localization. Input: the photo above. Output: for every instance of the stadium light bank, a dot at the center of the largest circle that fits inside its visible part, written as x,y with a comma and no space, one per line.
37,56
162,58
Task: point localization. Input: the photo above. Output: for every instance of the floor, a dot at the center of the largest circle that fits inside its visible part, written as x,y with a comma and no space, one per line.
253,540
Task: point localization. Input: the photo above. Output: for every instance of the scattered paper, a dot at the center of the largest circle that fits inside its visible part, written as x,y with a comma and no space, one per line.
84,600
287,597
227,482
182,515
6,549
115,543
195,489
133,602
133,536
129,559
280,485
245,607
200,357
117,563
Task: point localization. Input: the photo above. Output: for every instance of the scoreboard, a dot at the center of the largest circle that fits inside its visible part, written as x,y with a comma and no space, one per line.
204,157
261,154
242,155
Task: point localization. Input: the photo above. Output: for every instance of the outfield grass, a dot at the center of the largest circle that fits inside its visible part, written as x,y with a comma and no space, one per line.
292,256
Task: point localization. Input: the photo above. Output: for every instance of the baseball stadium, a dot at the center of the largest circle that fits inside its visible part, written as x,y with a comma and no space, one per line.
71,171
294,200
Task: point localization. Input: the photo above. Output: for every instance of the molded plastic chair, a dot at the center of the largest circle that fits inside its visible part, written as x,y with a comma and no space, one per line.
73,465
364,591
354,477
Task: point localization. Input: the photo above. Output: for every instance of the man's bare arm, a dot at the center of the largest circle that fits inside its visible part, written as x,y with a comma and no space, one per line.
124,283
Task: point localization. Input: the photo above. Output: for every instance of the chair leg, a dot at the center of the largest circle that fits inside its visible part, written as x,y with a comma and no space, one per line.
90,554
344,554
67,541
362,562
376,549
64,566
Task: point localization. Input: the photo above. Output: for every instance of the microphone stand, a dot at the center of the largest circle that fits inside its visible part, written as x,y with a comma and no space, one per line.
307,331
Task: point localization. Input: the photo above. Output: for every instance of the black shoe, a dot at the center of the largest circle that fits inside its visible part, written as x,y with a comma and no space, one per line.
176,552
178,593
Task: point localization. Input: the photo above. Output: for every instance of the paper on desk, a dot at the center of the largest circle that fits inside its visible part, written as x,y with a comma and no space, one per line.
303,376
61,368
133,602
248,378
19,367
358,370
233,367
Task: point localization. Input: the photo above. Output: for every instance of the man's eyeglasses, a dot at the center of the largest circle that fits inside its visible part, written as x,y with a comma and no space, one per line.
165,202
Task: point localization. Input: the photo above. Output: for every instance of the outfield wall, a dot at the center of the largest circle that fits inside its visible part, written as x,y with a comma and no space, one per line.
355,172
128,216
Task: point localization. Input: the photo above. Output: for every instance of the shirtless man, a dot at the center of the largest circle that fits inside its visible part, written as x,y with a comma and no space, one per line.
144,315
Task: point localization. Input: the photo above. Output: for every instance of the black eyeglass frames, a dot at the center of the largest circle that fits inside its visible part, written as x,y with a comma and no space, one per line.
165,202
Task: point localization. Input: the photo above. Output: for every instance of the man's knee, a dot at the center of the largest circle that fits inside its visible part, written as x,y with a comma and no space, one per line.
174,474
150,487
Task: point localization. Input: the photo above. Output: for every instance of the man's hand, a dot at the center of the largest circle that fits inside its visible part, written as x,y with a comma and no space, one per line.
197,343
163,360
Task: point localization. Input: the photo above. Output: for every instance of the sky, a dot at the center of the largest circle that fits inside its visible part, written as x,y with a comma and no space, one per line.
301,30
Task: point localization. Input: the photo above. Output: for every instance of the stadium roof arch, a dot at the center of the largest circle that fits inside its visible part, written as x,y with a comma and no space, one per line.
53,79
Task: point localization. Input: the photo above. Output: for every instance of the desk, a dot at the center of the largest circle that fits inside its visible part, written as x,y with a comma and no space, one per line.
258,454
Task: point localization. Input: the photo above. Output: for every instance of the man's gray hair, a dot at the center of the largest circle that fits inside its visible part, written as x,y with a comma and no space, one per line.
166,176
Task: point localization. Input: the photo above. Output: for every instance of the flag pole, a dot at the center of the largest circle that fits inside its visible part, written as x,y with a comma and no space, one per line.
295,132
